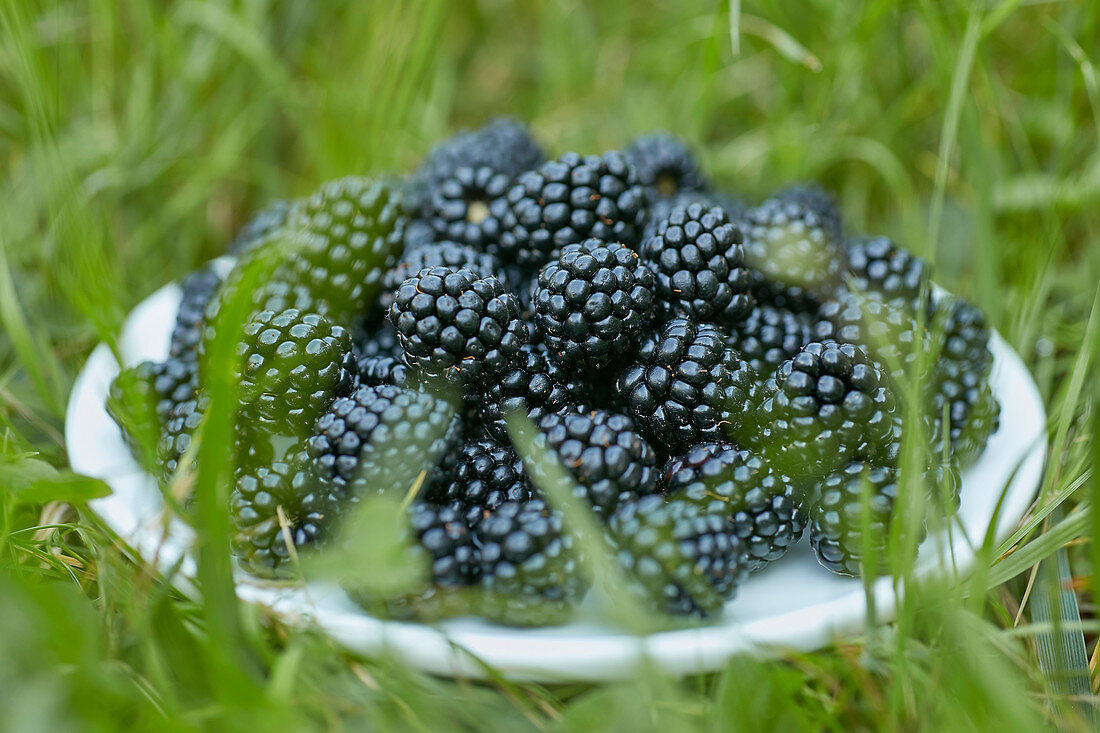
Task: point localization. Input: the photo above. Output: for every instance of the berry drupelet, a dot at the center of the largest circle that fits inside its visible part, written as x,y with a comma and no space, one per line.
457,325
819,408
684,558
685,386
662,206
664,164
760,503
591,302
604,454
699,264
568,200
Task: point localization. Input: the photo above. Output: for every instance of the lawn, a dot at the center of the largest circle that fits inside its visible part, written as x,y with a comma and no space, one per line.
136,137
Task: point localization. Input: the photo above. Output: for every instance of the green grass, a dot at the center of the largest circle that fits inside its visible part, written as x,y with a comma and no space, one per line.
135,137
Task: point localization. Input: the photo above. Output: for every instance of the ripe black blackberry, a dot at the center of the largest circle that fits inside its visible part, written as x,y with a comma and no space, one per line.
530,573
184,419
790,244
819,408
606,456
292,366
468,206
199,288
664,164
504,145
437,254
697,258
878,267
591,302
381,439
379,340
661,207
457,325
568,200
684,558
378,370
486,474
814,198
761,503
533,385
685,387
769,336
261,225
884,329
961,376
841,514
278,509
344,238
444,532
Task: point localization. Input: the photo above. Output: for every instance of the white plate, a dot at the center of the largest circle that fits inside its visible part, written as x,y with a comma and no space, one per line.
792,604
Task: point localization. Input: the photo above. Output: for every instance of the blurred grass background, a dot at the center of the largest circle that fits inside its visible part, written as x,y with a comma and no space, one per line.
136,137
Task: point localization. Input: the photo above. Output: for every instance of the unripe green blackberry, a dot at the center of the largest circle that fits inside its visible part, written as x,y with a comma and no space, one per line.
762,504
684,558
591,302
457,325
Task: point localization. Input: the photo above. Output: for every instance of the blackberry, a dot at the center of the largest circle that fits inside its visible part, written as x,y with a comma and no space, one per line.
504,145
439,254
381,340
347,236
457,324
533,385
661,207
288,494
380,439
444,532
760,503
790,244
769,336
418,233
592,301
684,558
819,408
878,267
378,370
486,474
664,164
184,419
961,376
685,386
886,331
570,199
467,206
697,258
133,402
263,224
603,452
838,519
793,298
293,365
529,568
813,197
199,289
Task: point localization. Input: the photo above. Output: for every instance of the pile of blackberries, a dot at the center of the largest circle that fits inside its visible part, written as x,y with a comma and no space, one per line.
711,378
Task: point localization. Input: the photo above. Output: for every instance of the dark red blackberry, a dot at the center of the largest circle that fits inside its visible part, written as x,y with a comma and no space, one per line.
821,406
533,385
381,439
458,325
791,245
199,288
881,268
685,386
960,380
529,568
292,366
684,558
823,204
263,224
761,503
279,508
568,200
468,206
603,452
842,520
486,474
437,254
769,336
591,302
697,258
664,164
